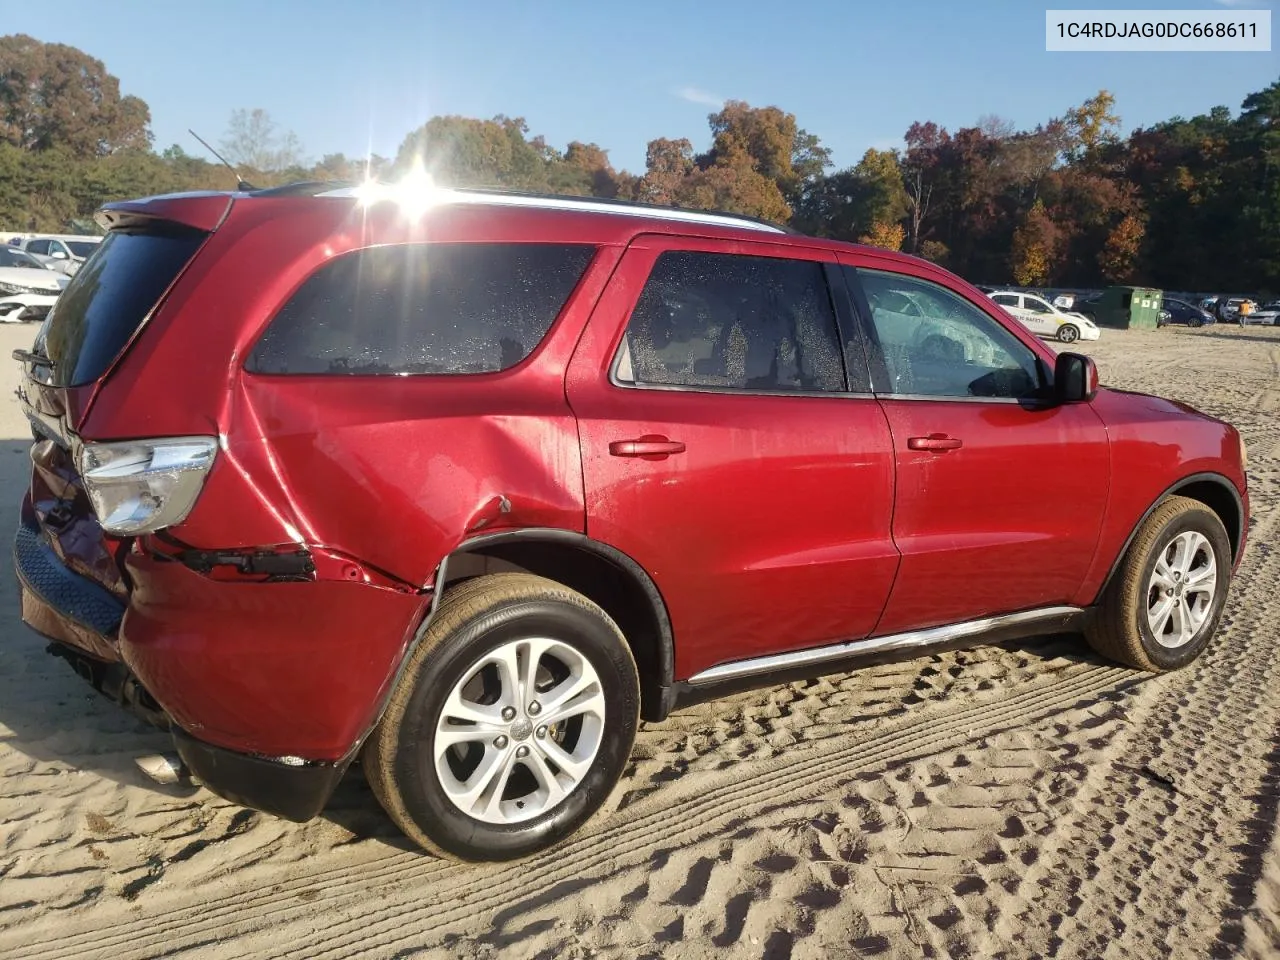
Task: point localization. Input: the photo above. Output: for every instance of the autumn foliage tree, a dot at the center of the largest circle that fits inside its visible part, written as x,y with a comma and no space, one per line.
53,96
1034,248
1119,254
1190,204
888,236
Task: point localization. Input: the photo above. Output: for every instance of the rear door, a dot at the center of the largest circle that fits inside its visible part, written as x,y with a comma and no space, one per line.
1000,495
732,447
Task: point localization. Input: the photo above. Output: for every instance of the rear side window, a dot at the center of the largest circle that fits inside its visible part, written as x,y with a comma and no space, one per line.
110,296
734,322
427,308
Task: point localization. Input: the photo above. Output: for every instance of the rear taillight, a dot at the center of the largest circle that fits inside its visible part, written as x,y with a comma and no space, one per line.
141,486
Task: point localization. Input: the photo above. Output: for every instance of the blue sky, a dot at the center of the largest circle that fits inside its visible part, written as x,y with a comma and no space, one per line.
354,76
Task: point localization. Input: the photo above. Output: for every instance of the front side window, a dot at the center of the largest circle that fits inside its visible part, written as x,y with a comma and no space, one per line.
1036,305
82,248
425,308
761,324
945,346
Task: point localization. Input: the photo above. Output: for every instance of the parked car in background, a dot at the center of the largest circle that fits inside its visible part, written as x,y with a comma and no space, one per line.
63,253
28,288
1235,310
1045,320
1181,312
1268,313
465,483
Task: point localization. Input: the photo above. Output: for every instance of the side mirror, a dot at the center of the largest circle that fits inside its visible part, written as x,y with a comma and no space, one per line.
58,255
1075,378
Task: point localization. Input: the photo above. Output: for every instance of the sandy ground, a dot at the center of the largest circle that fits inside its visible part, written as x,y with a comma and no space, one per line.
1020,800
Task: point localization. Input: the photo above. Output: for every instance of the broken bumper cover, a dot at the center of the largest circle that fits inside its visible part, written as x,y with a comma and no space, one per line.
295,791
267,688
59,603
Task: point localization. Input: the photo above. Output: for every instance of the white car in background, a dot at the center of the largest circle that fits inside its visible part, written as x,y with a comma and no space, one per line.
1269,312
1045,320
62,253
28,288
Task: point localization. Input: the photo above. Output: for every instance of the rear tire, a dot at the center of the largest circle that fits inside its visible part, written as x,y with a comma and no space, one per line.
1165,602
511,722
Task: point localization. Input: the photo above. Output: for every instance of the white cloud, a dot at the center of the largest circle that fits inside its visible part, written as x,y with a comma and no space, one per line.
698,95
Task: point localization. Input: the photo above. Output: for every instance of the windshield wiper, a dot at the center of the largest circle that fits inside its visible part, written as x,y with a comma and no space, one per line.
26,356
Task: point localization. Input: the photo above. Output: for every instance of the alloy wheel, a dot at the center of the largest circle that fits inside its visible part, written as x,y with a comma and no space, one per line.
519,730
1181,590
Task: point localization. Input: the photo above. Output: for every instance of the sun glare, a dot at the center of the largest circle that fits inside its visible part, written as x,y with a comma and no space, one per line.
415,193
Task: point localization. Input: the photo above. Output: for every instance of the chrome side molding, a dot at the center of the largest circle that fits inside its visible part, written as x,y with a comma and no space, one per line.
896,641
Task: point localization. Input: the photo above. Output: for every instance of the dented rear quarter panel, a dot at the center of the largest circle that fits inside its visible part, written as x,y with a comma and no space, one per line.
393,471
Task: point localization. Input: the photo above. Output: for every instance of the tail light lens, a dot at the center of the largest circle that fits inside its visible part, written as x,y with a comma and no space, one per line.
141,486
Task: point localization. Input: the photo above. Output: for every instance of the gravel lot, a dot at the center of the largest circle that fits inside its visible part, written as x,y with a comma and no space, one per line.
1018,800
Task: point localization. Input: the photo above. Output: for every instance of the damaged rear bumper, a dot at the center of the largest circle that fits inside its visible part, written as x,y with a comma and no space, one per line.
291,788
266,688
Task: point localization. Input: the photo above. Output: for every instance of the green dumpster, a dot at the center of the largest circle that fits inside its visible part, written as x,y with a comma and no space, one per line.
1125,307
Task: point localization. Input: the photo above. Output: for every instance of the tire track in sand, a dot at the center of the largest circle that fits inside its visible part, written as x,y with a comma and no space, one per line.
416,897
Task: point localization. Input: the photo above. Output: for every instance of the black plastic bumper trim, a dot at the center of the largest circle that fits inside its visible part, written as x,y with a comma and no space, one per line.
74,596
294,792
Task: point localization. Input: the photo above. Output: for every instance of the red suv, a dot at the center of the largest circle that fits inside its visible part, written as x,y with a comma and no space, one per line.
466,484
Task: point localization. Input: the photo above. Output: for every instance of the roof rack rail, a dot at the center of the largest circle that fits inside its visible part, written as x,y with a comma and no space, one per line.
498,195
657,209
302,188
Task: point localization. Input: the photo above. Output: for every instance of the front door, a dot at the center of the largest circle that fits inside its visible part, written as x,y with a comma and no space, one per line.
1039,317
732,447
1000,494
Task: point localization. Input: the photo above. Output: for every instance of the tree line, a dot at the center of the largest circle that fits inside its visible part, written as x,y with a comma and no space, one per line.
1184,204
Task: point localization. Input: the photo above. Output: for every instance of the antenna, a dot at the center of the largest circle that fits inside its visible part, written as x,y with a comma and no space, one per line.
241,183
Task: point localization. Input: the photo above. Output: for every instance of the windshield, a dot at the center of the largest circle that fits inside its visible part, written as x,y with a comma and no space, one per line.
109,298
10,257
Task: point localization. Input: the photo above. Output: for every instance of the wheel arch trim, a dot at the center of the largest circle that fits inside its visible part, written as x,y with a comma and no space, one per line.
625,563
1217,479
664,682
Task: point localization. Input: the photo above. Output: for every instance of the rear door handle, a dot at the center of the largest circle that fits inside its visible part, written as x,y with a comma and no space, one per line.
649,447
937,442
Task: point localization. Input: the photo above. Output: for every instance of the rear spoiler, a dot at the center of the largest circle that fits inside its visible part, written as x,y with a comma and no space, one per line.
200,211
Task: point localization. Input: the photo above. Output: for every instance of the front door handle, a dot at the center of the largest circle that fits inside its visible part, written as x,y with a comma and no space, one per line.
936,442
648,447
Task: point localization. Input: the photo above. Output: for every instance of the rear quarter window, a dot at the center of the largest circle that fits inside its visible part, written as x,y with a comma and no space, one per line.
429,308
110,297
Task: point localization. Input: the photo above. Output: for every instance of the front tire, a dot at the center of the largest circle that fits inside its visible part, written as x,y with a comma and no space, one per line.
1068,333
1165,602
512,720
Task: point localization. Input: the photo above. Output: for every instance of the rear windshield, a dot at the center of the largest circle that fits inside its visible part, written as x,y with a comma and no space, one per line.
110,296
425,308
